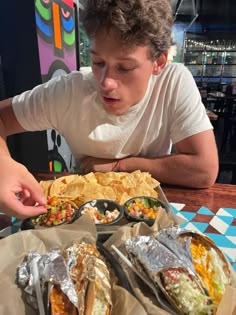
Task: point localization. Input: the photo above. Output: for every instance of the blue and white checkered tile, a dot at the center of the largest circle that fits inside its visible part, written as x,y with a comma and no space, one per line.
220,227
13,227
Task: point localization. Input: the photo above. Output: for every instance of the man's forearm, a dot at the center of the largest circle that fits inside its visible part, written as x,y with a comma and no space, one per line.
3,146
176,169
8,124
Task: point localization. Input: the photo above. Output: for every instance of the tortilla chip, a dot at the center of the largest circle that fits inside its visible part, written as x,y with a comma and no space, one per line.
117,186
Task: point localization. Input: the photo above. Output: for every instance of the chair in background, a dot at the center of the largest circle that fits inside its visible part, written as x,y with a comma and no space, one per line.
227,149
227,164
229,115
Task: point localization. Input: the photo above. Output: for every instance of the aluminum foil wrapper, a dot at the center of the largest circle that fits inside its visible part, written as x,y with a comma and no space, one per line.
179,240
169,272
153,255
52,268
74,270
180,247
86,266
212,260
167,236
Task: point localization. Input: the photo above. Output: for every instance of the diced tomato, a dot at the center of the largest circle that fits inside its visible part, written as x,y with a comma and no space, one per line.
52,201
52,217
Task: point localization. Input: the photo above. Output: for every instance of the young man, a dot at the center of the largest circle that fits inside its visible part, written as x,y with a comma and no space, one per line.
124,115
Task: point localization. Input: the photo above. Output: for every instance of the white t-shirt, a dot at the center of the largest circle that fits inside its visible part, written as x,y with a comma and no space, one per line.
170,111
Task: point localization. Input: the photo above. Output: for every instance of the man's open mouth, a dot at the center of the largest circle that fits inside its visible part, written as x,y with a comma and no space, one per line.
109,100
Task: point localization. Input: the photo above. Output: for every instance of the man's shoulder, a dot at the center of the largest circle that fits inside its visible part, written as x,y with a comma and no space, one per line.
84,73
175,67
174,73
84,77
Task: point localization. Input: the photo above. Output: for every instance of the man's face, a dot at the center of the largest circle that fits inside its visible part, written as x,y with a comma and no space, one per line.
122,72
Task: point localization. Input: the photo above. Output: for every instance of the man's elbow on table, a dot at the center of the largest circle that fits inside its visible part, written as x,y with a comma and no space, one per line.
208,175
199,154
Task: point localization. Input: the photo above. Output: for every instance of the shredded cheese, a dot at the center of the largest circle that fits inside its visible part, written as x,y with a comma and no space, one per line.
209,267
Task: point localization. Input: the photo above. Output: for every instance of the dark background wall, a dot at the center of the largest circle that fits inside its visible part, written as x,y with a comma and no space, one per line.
209,11
18,46
21,72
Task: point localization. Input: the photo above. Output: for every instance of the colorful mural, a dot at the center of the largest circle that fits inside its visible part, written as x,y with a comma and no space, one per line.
55,22
56,34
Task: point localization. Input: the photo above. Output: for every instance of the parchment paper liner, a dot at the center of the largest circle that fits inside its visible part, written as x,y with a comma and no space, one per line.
227,305
13,249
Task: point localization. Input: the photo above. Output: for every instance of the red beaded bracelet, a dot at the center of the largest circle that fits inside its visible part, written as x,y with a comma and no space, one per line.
117,165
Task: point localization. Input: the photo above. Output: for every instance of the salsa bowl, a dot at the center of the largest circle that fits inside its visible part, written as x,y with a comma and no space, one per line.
102,211
59,211
143,209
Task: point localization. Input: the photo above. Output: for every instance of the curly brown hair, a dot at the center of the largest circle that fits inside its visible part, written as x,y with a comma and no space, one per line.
140,22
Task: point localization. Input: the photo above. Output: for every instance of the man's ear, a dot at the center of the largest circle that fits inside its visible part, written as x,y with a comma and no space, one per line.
160,63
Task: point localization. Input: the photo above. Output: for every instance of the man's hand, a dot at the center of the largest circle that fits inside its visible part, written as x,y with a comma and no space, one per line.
19,190
92,164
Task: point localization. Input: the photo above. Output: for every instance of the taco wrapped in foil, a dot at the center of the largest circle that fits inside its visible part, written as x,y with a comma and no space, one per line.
171,275
77,279
209,262
91,277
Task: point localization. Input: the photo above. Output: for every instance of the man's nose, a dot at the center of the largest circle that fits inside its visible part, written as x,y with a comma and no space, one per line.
108,81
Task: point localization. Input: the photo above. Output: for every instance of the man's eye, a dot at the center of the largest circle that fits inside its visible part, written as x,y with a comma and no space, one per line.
123,69
98,63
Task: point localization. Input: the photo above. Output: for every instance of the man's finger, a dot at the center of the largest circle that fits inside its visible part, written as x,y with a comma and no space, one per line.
35,191
20,211
28,202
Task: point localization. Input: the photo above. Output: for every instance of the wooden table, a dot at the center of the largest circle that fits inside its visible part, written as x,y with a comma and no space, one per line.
211,115
216,94
219,95
219,195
